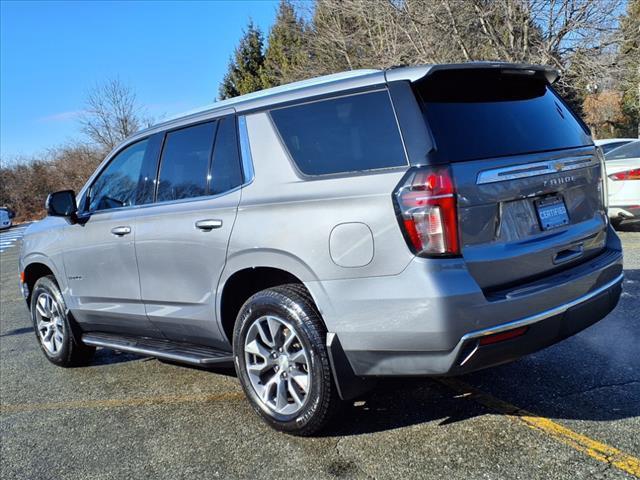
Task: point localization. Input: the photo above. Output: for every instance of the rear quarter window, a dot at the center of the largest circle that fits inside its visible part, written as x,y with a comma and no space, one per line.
340,135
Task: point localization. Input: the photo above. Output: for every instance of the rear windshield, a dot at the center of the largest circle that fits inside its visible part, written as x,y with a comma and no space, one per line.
483,114
630,150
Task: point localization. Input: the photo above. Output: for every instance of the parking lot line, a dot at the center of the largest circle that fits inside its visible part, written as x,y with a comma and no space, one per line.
595,449
121,402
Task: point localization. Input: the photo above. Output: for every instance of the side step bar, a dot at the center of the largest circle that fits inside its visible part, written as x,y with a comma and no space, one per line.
163,349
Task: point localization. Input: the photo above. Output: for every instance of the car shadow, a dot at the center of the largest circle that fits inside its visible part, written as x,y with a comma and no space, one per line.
17,331
105,356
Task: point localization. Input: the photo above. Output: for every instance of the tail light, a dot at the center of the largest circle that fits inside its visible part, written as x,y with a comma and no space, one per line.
627,175
603,188
426,205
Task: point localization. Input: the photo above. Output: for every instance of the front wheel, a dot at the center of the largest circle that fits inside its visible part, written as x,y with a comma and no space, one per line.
282,362
53,326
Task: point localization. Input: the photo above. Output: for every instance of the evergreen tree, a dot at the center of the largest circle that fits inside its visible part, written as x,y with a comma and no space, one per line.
629,58
244,74
286,52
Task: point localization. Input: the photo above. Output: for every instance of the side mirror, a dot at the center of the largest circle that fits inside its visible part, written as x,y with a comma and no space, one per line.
62,204
11,213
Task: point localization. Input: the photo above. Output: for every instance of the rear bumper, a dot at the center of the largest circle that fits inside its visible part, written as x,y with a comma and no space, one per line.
429,319
542,330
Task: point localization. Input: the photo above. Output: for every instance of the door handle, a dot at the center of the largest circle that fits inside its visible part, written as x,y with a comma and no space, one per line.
121,231
208,225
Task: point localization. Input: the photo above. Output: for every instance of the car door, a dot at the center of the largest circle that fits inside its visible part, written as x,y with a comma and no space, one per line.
181,241
99,254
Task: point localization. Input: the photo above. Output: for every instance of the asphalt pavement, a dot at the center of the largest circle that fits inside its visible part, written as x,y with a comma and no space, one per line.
570,411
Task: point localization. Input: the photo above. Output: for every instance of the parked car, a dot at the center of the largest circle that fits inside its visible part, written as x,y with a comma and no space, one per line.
623,172
322,234
6,218
608,144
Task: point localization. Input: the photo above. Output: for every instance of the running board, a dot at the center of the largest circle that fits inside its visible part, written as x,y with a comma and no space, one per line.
163,349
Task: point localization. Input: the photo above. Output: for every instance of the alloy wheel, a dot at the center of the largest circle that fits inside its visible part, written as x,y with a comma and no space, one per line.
277,364
50,323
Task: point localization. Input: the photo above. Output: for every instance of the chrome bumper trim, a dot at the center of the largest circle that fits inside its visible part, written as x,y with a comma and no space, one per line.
542,315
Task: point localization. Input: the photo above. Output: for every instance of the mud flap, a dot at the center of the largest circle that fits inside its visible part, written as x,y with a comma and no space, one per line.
349,385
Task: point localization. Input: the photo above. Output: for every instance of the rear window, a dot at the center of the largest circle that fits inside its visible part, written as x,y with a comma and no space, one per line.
346,134
630,150
483,114
607,147
184,167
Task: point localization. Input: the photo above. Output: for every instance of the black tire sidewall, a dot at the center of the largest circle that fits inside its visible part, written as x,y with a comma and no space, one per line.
269,302
47,285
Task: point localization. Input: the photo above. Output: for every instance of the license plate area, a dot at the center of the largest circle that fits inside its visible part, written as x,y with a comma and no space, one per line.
552,212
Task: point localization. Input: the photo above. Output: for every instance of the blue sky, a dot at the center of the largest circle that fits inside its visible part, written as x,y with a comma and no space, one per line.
173,54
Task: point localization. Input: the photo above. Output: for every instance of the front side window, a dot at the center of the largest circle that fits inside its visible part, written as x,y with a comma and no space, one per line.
117,185
346,134
184,166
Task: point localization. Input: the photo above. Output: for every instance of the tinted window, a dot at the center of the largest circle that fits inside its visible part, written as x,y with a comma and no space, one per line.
630,150
184,167
611,146
348,134
484,114
225,169
125,180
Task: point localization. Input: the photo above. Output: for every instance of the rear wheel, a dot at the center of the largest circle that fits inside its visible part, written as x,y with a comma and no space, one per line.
282,362
54,328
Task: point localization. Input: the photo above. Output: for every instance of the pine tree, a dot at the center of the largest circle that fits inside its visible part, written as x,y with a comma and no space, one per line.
244,74
286,51
630,61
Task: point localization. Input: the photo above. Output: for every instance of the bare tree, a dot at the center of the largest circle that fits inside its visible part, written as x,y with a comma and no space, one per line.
111,114
579,37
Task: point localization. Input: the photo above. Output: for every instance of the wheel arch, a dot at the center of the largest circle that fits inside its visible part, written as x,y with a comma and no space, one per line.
250,272
36,268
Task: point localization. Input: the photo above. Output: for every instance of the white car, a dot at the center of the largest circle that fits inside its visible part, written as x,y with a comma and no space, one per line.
623,171
608,144
5,218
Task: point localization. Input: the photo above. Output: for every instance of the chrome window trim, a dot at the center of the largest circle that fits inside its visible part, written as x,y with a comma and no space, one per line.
534,169
245,150
133,208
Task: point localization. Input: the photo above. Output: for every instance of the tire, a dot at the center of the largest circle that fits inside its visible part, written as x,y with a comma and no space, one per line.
54,328
299,344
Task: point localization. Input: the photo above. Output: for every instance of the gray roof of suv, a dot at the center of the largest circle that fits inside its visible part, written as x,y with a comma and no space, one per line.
326,85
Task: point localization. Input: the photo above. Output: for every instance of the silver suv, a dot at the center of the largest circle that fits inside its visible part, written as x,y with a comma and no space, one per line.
427,220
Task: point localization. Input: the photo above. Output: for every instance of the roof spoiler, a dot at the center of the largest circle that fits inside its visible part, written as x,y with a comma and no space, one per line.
418,72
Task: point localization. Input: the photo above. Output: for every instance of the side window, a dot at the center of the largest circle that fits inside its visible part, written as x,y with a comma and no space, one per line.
225,168
126,180
184,166
346,134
